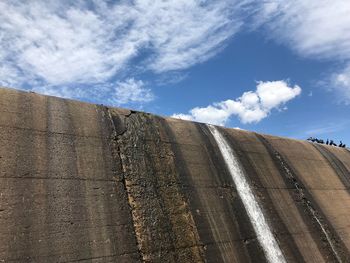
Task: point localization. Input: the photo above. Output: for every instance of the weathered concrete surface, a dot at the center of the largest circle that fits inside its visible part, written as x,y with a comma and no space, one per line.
82,182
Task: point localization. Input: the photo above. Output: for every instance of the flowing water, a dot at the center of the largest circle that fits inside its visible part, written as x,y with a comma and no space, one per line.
265,237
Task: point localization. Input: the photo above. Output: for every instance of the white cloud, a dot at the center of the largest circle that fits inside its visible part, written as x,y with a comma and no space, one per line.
69,42
9,76
53,47
182,116
132,91
251,107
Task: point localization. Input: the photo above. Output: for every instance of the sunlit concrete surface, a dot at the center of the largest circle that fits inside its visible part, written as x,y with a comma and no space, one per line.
88,183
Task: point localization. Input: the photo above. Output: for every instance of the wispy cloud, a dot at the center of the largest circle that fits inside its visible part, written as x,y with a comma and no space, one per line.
129,92
340,81
63,43
318,29
329,128
132,91
251,107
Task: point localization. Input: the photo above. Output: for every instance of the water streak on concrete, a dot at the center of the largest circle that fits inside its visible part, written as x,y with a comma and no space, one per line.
261,227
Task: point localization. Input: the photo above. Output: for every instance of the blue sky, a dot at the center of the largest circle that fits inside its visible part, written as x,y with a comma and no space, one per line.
274,66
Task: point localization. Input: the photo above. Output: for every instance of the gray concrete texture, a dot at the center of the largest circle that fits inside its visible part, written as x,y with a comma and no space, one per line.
88,183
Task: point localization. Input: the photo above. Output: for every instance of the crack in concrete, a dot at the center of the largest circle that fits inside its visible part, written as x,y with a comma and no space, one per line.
117,150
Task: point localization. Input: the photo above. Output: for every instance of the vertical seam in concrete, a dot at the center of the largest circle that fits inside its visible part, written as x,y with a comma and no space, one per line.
325,228
338,167
123,181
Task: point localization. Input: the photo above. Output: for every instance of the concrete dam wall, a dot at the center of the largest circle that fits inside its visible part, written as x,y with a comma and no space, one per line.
88,183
